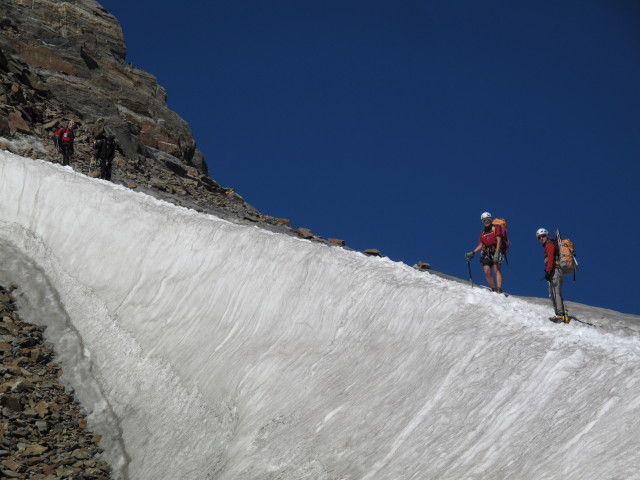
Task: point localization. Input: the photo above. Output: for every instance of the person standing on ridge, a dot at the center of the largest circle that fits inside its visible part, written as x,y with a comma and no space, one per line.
553,274
104,150
490,243
63,139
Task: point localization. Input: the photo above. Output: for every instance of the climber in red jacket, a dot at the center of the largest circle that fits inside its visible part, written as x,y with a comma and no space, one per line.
63,139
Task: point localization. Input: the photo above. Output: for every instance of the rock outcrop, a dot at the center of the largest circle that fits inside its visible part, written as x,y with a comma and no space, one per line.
66,60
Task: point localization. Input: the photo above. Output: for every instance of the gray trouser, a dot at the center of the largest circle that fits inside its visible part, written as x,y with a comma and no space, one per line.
555,291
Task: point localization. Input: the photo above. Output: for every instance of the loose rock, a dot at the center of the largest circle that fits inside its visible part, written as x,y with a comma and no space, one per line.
43,431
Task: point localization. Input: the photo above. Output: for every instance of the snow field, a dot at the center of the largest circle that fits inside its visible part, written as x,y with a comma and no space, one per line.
217,350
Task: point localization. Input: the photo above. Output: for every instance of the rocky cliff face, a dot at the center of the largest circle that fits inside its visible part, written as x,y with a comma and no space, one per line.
65,60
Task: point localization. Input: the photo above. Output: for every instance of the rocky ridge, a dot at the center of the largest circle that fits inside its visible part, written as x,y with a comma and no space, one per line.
65,60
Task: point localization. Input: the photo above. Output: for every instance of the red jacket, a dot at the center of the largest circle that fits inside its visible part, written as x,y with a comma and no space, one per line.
549,255
66,136
490,238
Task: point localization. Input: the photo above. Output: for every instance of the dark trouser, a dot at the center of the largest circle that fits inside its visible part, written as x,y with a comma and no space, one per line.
486,259
555,292
105,169
67,150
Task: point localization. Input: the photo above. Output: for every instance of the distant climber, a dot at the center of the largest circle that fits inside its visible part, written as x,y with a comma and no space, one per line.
104,151
490,243
63,140
553,274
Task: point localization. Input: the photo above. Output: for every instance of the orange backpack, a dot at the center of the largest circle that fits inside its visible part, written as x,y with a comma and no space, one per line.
505,237
566,254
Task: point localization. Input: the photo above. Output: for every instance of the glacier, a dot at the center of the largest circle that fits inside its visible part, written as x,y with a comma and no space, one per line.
207,349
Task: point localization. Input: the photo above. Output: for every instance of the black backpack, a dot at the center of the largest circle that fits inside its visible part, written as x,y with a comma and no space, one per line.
105,150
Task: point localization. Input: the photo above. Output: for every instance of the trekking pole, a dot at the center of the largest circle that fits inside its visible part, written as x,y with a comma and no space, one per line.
470,277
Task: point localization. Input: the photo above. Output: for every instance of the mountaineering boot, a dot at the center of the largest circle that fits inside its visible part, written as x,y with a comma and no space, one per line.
559,319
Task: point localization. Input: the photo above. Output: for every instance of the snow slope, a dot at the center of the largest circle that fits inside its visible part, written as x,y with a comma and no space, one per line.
207,349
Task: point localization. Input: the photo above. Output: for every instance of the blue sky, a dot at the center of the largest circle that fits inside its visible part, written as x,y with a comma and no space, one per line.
394,125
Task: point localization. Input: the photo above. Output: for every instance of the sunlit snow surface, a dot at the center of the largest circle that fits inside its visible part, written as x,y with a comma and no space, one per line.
205,349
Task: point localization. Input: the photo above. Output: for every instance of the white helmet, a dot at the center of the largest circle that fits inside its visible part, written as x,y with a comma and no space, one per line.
485,215
542,231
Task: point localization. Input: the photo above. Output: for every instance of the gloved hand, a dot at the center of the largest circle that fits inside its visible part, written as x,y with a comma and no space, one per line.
548,275
496,257
469,255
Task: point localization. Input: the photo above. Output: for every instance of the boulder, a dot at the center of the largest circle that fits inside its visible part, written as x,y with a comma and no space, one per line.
17,123
305,233
11,402
423,266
